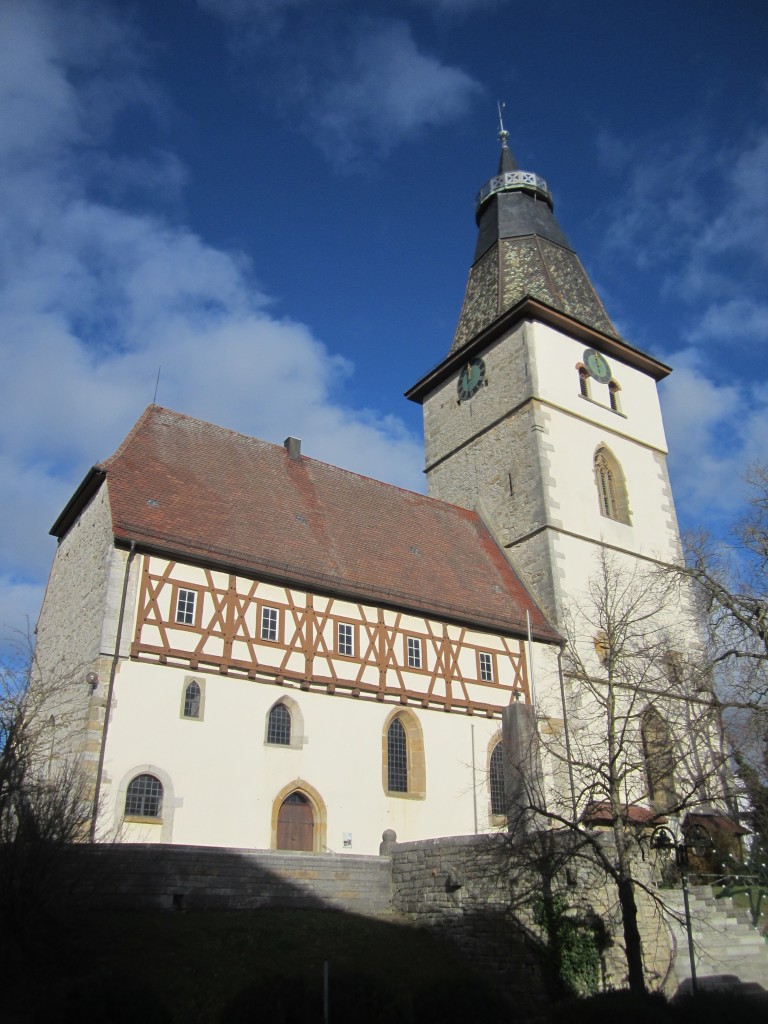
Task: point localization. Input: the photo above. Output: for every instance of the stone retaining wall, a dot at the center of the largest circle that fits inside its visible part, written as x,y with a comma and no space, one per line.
134,875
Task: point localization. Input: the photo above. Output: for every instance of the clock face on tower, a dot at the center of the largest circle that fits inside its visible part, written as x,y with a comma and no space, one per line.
597,365
471,379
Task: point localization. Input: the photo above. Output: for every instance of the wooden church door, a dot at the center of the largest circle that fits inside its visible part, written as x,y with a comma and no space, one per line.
295,824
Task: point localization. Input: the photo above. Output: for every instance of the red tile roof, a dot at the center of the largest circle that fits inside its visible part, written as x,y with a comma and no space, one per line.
635,814
204,493
716,823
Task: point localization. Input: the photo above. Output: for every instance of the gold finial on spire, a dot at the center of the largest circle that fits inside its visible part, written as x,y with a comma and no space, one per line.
503,133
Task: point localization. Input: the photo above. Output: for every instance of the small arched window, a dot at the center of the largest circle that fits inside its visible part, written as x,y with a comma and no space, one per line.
397,758
496,780
279,725
613,394
192,700
611,488
144,797
583,381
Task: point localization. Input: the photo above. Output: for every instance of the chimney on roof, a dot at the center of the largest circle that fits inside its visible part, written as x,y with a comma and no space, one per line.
293,447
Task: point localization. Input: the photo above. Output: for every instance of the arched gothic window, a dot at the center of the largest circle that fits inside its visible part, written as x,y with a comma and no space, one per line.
403,762
659,758
496,780
144,797
397,758
192,700
279,725
611,488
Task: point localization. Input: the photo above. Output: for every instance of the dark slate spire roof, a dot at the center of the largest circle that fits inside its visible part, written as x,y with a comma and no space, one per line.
521,253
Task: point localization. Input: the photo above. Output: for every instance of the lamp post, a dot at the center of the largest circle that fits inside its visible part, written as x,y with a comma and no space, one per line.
699,841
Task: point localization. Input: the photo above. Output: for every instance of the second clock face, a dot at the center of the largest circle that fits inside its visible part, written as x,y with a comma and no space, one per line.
597,365
471,379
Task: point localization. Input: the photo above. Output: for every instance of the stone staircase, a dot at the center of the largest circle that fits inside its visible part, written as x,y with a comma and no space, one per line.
730,954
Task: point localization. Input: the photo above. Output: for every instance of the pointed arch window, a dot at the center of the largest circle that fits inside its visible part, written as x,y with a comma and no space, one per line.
192,700
611,487
496,780
403,762
397,758
659,757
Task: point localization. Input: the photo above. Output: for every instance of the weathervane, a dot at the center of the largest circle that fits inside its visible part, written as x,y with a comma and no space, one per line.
503,133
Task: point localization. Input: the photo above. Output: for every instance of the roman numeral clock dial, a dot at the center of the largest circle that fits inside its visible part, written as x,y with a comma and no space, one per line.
471,379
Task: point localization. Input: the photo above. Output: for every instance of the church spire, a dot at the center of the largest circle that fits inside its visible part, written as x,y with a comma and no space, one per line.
521,253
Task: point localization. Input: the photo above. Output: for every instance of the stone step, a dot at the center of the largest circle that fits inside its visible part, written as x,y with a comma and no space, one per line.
730,953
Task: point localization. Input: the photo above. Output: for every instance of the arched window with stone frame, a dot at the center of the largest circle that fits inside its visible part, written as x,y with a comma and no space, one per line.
279,725
403,762
496,780
659,758
611,486
144,797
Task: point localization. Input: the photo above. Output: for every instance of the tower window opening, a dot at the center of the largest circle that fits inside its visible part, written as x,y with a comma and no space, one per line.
611,488
613,394
583,382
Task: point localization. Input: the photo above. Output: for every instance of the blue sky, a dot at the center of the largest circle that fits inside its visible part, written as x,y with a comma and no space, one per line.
274,200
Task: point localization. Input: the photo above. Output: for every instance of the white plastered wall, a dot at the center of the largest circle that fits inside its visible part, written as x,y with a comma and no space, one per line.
225,778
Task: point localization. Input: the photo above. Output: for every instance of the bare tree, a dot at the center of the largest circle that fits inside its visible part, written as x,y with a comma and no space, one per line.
634,740
44,805
728,579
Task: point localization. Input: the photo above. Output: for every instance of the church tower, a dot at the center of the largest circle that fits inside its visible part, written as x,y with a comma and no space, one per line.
541,417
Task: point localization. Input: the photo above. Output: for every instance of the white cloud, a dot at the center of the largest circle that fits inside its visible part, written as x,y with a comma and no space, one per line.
739,320
354,81
714,431
694,217
387,90
94,297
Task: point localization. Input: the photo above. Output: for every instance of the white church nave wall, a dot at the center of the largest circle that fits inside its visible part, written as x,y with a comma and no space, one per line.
222,778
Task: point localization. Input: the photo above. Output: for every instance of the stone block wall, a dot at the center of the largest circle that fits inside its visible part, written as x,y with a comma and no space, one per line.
462,886
458,886
166,877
